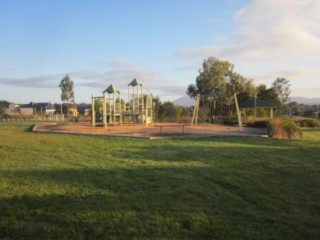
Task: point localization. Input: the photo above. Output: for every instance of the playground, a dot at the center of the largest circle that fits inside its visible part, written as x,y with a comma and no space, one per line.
161,130
112,116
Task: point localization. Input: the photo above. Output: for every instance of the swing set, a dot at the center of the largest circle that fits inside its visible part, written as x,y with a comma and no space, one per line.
195,116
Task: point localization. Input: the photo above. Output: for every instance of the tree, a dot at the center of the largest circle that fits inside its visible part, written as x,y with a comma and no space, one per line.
167,112
268,94
156,103
212,78
212,81
243,87
282,87
67,94
294,108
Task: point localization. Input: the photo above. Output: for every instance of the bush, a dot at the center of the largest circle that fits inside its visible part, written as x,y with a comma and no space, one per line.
230,120
308,122
283,129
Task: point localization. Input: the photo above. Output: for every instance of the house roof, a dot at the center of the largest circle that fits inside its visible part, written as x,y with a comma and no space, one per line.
44,106
29,105
135,83
256,103
111,89
5,102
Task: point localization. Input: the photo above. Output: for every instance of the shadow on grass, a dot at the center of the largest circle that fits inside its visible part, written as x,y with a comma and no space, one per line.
198,203
29,128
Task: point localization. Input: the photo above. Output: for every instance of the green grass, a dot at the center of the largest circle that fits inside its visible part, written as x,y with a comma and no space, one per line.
55,186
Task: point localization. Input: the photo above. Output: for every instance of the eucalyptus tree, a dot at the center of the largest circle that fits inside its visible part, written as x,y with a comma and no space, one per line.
282,87
212,81
67,94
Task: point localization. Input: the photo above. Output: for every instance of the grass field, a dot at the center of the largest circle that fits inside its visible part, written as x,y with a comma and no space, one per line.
81,187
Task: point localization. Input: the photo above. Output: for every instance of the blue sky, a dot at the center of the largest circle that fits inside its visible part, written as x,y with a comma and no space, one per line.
161,43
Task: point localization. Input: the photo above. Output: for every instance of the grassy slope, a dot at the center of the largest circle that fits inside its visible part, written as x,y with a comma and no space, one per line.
77,187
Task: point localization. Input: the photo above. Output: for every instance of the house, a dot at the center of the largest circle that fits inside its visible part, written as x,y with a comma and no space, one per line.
6,105
73,111
83,109
28,109
45,108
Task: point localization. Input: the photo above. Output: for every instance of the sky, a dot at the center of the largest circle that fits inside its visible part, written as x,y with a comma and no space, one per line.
160,43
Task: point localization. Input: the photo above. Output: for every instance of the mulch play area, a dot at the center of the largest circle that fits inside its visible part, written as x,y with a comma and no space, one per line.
151,132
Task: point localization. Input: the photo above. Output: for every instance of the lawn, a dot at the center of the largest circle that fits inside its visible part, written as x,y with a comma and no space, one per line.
55,186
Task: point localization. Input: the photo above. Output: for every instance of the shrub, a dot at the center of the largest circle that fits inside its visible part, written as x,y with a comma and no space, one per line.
308,122
283,129
230,120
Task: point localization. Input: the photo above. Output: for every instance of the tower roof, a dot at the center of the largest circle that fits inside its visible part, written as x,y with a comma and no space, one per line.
135,83
111,89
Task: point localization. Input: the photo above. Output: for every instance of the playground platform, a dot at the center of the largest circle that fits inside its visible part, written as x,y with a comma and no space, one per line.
150,132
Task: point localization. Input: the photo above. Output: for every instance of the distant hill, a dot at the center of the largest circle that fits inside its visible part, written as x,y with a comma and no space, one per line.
185,101
305,100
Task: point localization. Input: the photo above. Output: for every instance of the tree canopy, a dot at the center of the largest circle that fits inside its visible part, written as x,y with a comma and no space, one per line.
218,80
212,79
282,87
67,94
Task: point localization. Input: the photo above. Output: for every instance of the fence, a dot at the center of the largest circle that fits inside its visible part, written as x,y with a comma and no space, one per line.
35,118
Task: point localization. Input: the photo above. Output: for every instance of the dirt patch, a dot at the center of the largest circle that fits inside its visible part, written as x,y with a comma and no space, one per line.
138,130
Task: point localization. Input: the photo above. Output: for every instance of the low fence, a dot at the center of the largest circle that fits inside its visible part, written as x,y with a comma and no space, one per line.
35,118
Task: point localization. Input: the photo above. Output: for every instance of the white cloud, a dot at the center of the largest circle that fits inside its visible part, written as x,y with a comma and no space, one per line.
272,38
45,81
120,73
268,30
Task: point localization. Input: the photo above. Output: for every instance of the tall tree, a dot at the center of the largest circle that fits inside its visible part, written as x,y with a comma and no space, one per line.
269,95
243,87
67,94
212,81
282,87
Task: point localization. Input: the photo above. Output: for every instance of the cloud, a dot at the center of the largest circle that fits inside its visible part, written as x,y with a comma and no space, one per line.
152,82
290,72
275,29
120,73
268,30
271,38
46,81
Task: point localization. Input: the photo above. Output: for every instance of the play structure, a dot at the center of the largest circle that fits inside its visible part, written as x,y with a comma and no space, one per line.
110,109
194,121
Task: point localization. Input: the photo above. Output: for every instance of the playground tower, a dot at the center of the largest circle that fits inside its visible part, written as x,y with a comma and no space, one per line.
138,109
113,105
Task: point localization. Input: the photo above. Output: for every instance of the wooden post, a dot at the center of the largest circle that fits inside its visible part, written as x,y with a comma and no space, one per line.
194,120
271,112
238,111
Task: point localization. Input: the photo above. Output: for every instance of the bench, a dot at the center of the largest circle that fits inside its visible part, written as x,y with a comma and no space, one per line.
171,126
